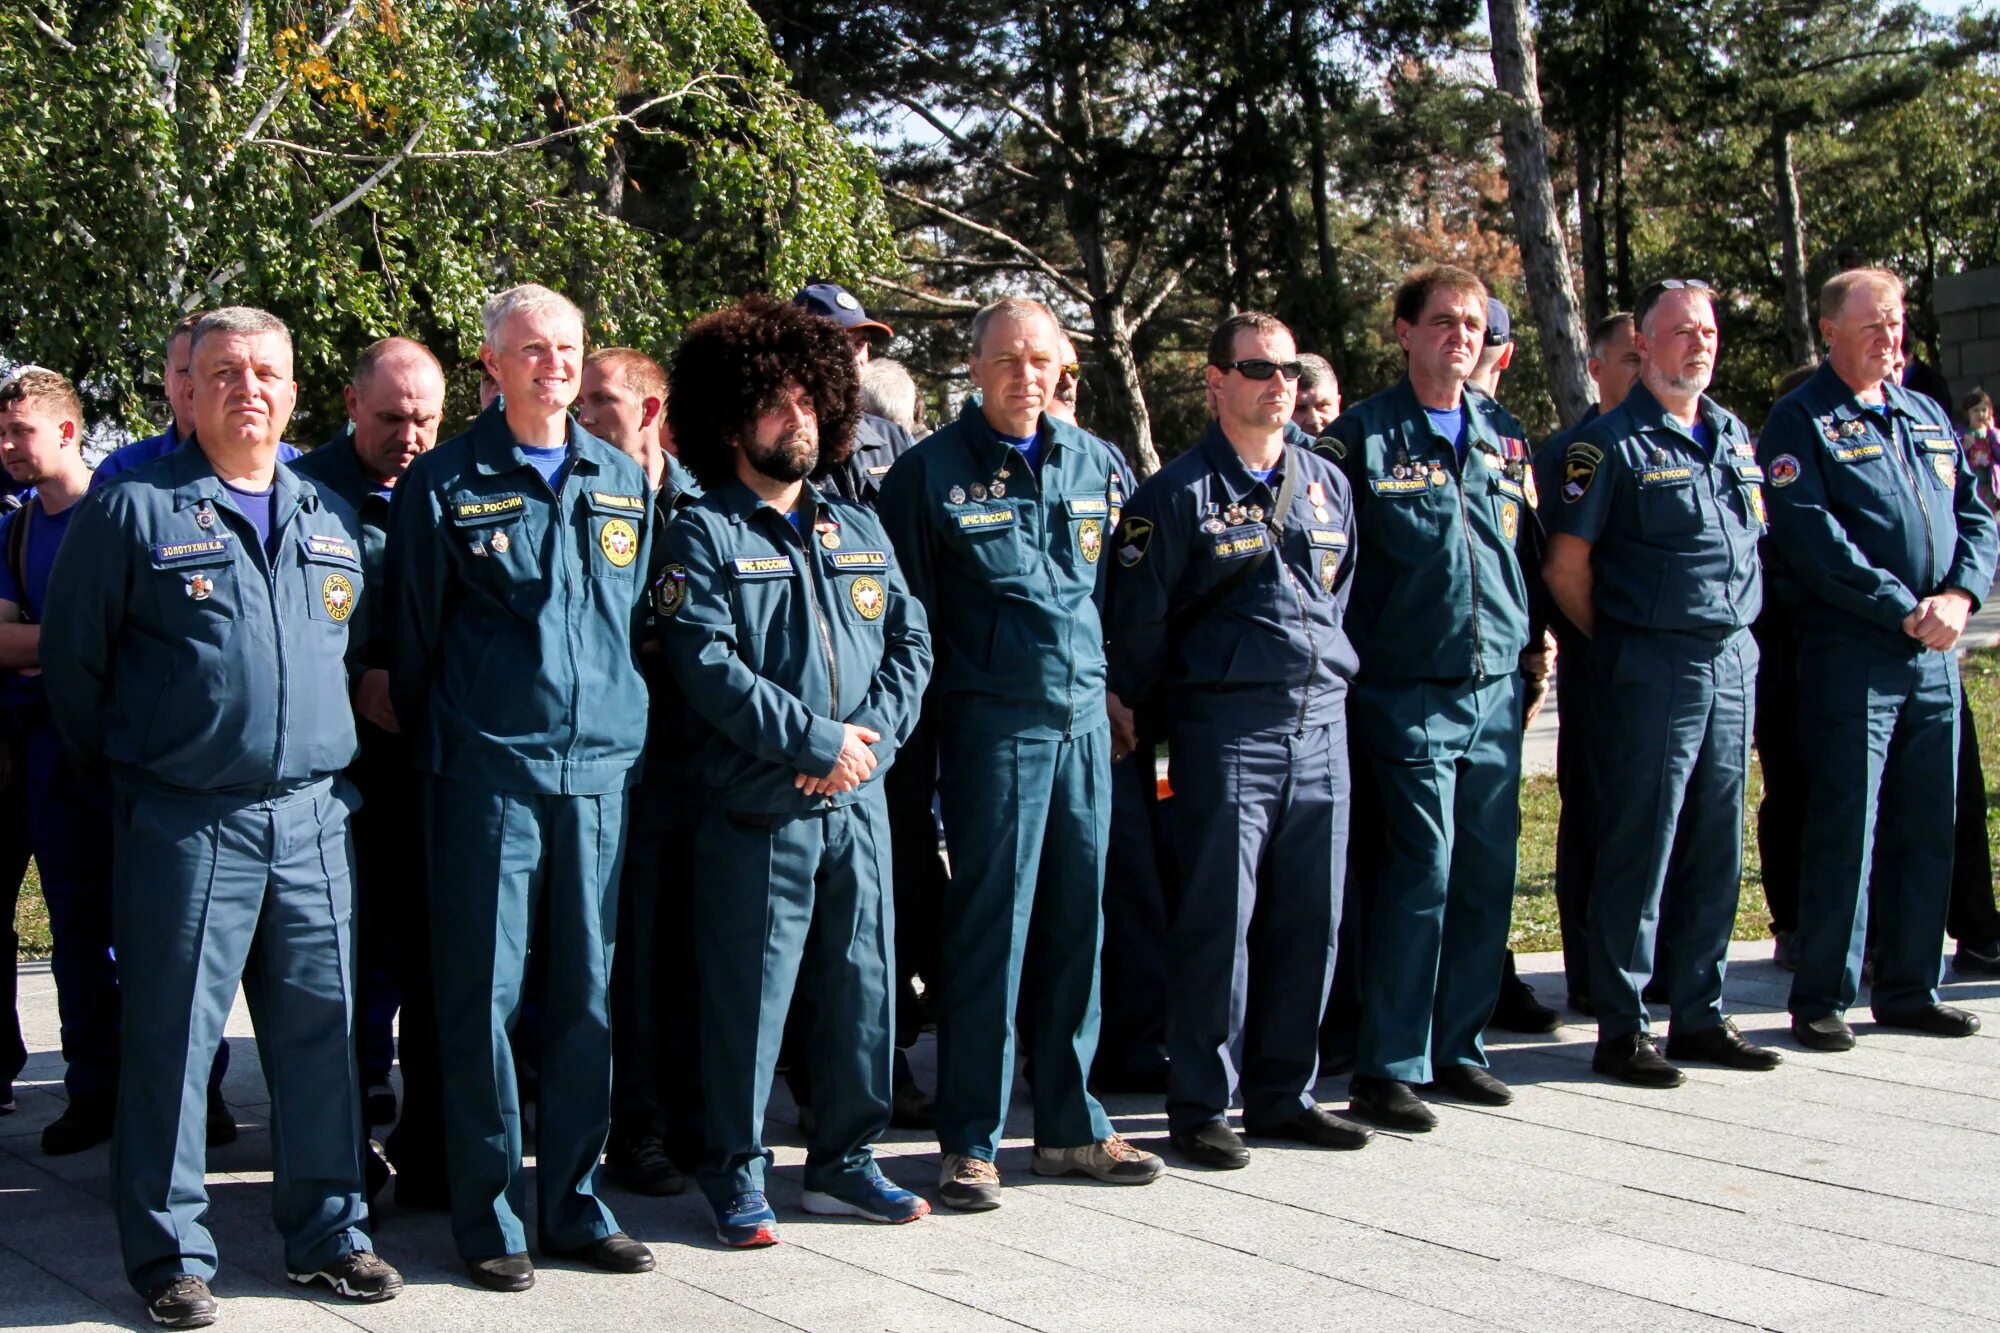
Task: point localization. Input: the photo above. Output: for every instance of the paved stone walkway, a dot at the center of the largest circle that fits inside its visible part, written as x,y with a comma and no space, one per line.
1857,1191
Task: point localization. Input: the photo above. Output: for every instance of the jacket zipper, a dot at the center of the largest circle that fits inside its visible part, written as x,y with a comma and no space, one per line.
1472,559
1312,642
813,584
1917,489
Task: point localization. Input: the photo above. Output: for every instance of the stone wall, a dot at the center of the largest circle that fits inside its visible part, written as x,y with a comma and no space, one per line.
1968,311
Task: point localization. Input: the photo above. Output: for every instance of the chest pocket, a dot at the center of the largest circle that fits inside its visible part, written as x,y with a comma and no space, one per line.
1239,543
761,588
1668,498
197,590
862,580
988,535
1326,552
1748,491
613,526
331,568
1403,509
493,535
1088,517
1939,459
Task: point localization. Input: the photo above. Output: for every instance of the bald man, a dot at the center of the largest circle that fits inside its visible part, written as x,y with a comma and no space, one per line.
395,401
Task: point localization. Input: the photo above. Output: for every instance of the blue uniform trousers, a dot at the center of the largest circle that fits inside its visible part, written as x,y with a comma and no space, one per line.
796,901
13,869
502,861
1879,730
1262,837
1446,760
655,1047
1576,824
1673,718
1138,901
1026,821
210,890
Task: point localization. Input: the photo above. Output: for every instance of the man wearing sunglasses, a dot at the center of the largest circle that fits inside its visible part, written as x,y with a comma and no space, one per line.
1653,554
1880,522
1439,618
1232,573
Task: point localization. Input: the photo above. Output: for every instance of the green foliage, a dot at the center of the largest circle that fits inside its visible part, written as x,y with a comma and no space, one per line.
369,167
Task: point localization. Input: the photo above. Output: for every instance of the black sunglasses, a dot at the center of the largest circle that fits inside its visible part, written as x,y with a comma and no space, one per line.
1653,291
1260,368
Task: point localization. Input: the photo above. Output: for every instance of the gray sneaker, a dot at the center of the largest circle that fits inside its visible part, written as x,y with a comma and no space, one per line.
969,1184
1112,1160
358,1275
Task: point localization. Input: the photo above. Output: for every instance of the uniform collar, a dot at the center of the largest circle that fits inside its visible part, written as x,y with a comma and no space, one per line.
1646,413
1229,465
495,451
195,481
741,503
984,441
1479,432
1834,393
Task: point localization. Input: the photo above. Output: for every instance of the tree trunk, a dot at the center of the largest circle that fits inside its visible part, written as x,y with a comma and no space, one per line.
1544,255
1125,420
1792,250
1621,214
1590,209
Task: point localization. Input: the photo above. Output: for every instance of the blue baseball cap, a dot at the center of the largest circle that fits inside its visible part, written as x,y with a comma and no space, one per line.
1499,326
834,302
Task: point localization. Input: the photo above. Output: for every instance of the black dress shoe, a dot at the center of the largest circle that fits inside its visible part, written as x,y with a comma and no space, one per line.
1634,1059
503,1272
1517,1010
1721,1045
640,1163
221,1123
1390,1104
1940,1020
1214,1145
1977,959
85,1123
1583,1004
1828,1032
182,1301
1321,1129
1470,1083
615,1253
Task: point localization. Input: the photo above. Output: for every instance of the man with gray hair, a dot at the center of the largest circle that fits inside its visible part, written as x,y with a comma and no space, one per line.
515,559
194,642
887,391
1000,521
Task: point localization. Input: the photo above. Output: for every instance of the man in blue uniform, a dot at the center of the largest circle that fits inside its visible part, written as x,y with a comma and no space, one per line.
1614,368
180,423
655,1094
197,624
921,880
1232,570
1881,526
1000,521
792,635
515,555
1439,619
1653,554
395,401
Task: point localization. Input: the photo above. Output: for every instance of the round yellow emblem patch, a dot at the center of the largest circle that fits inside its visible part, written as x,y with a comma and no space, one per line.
1946,467
1329,570
619,541
868,597
1090,539
338,596
1510,519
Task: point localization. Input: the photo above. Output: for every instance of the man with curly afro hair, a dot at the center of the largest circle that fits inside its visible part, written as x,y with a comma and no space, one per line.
802,657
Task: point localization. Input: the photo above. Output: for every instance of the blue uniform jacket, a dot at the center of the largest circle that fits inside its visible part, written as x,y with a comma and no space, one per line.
1873,510
1673,528
337,469
1011,582
176,652
1272,652
1440,593
515,613
878,443
777,637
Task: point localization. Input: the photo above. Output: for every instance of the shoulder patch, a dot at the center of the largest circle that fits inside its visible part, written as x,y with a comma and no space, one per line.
1330,445
1580,462
670,591
1784,470
1132,538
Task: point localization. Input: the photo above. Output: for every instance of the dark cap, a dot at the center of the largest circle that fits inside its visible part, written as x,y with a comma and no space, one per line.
836,303
1499,326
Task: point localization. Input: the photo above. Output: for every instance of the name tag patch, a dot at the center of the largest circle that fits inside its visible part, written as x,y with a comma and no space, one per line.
318,544
1088,507
1326,537
986,518
174,553
1665,476
627,504
1856,453
761,566
1240,545
466,511
1399,485
859,559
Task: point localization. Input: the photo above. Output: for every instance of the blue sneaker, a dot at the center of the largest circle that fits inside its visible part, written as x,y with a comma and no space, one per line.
746,1222
872,1197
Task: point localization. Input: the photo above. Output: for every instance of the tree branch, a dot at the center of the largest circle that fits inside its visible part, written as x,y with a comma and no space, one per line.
228,274
963,144
1022,248
54,36
955,304
242,48
284,87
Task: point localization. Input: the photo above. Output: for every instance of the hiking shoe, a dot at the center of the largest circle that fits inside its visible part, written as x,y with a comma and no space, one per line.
182,1301
872,1197
357,1275
1111,1160
746,1222
969,1184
